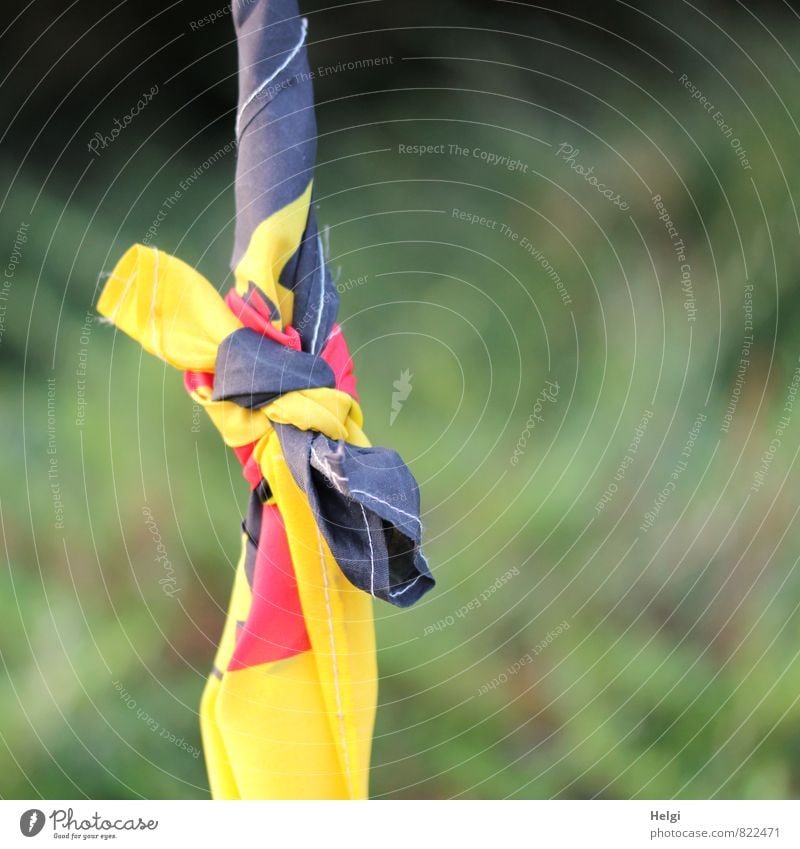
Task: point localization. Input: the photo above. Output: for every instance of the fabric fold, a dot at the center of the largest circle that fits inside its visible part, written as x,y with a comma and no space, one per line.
252,370
366,503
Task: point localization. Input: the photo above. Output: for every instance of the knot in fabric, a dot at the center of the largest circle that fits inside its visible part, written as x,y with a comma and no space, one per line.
288,385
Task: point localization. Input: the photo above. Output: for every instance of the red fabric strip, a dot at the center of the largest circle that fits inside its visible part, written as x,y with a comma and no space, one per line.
275,628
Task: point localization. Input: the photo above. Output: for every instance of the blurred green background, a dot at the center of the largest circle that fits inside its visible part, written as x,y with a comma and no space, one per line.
573,647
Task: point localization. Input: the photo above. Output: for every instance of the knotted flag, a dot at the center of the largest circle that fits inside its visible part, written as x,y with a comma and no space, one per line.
332,522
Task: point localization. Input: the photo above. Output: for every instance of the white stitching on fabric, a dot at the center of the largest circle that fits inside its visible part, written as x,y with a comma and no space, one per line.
340,712
400,592
113,317
371,554
375,498
321,295
271,77
327,469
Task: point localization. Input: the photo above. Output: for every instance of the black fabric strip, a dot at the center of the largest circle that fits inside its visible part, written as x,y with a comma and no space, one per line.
252,370
252,529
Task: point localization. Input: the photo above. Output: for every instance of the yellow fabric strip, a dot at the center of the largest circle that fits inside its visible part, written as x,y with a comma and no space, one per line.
166,306
273,243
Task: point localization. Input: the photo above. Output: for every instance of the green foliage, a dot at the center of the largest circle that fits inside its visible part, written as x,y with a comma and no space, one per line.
677,673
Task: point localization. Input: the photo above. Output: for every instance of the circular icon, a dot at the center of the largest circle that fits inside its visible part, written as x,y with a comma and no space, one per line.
31,822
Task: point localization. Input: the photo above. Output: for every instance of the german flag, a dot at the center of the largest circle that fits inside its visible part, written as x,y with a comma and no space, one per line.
332,522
